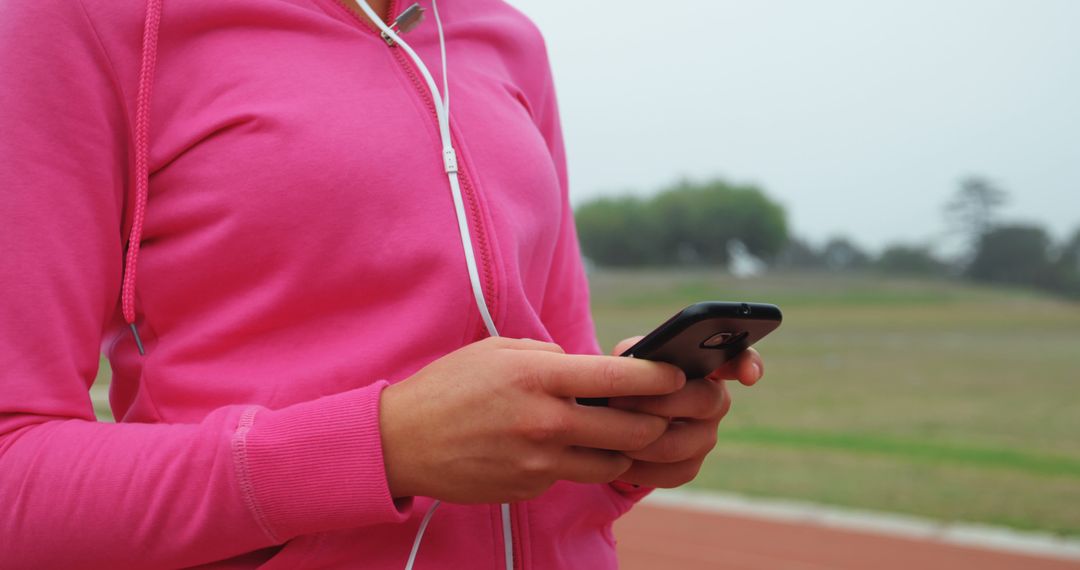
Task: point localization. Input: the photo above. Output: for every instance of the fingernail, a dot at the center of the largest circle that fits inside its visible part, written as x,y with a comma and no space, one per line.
757,371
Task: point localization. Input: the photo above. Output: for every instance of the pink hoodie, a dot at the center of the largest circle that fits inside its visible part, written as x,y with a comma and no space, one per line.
298,253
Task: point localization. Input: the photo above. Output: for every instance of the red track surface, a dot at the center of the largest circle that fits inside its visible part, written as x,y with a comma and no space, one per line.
659,538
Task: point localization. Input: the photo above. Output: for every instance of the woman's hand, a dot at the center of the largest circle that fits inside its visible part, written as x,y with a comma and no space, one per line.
496,421
695,412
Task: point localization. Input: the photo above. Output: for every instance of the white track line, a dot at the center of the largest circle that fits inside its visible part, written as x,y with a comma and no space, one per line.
889,524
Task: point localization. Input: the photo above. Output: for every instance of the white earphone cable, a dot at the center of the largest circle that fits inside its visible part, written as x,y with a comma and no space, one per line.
420,534
450,166
508,536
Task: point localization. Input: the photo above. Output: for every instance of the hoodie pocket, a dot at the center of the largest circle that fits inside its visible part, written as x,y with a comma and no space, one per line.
578,518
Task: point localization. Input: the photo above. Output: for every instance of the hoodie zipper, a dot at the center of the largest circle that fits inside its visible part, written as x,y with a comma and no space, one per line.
476,217
469,193
476,222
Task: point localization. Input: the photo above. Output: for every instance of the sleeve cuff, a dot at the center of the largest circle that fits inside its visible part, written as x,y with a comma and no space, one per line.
316,466
630,493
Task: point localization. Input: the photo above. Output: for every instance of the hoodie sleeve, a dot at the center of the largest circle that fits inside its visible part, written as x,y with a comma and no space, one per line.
566,311
77,492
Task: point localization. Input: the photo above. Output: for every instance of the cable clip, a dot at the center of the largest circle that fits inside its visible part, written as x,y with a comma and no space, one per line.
450,160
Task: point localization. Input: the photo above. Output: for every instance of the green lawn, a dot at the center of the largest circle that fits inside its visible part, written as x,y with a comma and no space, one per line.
931,398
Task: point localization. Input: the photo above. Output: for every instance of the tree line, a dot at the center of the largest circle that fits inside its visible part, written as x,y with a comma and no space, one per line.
686,224
707,223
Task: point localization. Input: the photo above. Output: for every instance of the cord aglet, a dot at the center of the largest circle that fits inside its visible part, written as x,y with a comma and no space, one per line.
138,341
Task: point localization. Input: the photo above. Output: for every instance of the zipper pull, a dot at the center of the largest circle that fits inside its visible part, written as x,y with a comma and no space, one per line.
404,23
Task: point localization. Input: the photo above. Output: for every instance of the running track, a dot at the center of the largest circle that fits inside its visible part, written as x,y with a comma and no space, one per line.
662,537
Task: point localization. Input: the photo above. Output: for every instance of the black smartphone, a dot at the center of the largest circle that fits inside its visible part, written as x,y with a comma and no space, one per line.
701,337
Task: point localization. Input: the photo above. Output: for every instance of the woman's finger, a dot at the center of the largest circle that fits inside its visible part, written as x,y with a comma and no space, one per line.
664,475
748,367
625,344
698,399
683,440
592,465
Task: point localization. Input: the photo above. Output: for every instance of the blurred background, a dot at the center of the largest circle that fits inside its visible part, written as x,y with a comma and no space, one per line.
903,179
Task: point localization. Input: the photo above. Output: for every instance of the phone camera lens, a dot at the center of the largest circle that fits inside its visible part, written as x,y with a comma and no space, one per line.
718,339
724,340
744,309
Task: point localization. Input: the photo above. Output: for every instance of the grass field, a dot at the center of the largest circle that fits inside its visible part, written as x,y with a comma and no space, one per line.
931,398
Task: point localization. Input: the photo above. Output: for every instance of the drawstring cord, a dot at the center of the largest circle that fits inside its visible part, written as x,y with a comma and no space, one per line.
142,167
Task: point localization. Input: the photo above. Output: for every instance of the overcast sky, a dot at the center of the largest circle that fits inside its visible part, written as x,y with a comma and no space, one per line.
860,117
